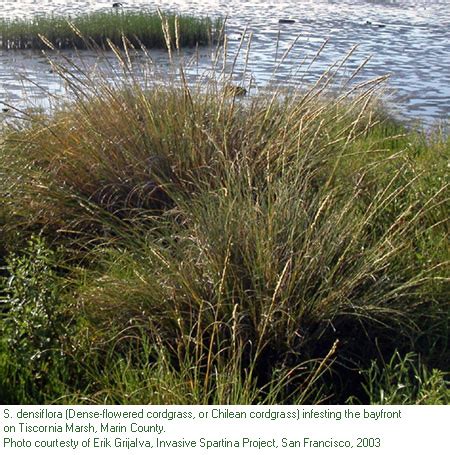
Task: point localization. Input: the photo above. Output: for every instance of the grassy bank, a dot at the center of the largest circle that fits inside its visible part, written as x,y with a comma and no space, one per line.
141,28
181,245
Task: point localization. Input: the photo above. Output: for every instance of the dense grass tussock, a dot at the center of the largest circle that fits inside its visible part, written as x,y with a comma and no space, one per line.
204,249
140,28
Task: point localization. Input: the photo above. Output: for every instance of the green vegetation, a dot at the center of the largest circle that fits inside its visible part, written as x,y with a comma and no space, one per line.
139,28
406,380
182,244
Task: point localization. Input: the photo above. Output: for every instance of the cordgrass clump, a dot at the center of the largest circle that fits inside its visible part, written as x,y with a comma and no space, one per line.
220,249
139,28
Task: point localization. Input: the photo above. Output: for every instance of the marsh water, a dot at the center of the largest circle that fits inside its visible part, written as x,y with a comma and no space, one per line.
407,39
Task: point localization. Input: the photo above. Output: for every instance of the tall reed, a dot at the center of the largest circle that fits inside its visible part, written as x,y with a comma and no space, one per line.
235,249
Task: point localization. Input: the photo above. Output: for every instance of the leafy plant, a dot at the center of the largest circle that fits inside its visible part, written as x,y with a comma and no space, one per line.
35,322
406,380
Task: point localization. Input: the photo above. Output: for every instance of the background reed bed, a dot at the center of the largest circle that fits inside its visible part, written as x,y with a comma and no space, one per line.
140,28
182,244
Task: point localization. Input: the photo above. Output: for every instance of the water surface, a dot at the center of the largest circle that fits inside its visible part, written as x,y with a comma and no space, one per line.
408,39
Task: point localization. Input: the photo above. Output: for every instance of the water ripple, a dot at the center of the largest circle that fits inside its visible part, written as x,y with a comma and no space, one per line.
409,39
